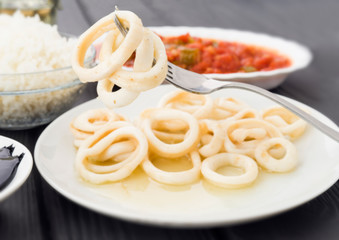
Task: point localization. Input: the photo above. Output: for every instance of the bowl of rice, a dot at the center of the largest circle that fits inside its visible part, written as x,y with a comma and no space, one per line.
37,82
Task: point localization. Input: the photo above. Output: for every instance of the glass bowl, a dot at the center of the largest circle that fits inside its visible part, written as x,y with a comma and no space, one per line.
22,106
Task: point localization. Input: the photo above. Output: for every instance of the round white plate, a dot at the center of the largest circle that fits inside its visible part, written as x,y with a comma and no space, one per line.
142,200
24,168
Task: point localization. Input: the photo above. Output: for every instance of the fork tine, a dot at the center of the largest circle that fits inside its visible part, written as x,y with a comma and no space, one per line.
124,30
119,25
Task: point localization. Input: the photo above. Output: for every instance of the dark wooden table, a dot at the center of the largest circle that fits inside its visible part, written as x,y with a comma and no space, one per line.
36,211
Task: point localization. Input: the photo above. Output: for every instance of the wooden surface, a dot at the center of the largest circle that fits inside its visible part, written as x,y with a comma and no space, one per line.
36,211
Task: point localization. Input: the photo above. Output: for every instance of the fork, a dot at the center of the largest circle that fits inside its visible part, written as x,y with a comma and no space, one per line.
200,84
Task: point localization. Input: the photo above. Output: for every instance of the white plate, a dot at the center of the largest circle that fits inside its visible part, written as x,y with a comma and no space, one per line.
24,168
141,200
300,55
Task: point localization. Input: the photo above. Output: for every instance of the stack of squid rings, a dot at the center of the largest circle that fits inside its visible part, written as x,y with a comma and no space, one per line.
114,53
209,133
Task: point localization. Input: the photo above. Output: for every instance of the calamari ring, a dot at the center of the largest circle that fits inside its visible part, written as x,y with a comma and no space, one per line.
200,106
174,178
85,124
143,77
148,76
119,98
150,117
100,142
242,136
227,107
116,60
246,113
288,123
213,144
116,149
211,164
169,137
271,163
116,99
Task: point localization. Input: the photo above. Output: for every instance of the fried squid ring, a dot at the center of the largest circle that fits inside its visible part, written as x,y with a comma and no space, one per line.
152,117
116,99
117,59
119,98
121,149
212,138
247,164
142,63
115,51
284,163
200,106
85,124
145,78
242,136
246,113
97,172
289,124
227,107
174,178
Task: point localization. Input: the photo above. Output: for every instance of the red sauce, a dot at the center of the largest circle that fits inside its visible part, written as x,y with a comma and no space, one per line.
203,55
214,56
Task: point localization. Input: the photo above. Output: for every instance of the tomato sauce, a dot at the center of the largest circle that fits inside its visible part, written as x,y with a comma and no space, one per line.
214,56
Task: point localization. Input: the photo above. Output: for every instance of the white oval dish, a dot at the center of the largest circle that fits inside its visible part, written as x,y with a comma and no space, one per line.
300,55
23,170
197,205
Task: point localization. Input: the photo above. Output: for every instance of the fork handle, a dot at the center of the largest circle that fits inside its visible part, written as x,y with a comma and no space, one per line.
331,132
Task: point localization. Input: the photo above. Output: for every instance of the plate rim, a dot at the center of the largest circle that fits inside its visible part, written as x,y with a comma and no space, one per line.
153,221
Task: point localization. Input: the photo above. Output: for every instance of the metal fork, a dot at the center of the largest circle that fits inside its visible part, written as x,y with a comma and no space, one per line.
200,84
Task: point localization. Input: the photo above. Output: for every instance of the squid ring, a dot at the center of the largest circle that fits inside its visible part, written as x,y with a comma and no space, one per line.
167,149
289,124
267,161
174,178
245,114
144,76
227,107
99,142
120,98
85,124
118,57
211,164
200,106
215,143
242,136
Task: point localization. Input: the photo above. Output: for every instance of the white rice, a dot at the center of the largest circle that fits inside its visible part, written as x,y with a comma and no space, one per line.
28,45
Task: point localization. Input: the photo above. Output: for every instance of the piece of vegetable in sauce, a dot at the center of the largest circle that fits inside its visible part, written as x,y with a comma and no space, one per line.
189,56
249,69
